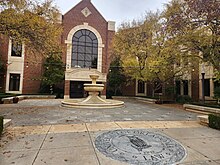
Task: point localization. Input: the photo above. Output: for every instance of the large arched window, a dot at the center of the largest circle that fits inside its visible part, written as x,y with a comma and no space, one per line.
84,49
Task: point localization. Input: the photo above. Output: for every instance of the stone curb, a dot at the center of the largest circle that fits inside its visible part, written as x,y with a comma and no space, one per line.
147,100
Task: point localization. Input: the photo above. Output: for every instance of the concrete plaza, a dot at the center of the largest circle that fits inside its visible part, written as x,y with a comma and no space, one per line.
43,132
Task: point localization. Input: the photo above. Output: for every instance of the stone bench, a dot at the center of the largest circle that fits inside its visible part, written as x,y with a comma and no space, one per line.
201,109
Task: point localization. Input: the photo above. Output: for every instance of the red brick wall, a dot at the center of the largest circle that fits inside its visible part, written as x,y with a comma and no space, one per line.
67,88
74,17
4,41
33,70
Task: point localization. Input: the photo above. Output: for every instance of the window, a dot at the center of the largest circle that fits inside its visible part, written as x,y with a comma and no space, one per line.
14,83
185,87
178,87
84,49
207,87
141,86
16,49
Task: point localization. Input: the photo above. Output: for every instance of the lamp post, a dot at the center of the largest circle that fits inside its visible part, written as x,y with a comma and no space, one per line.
203,83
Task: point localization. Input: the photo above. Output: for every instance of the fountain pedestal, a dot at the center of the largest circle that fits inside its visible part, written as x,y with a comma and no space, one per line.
93,100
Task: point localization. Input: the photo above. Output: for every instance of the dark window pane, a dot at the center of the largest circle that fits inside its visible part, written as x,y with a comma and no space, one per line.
82,39
87,32
207,87
14,83
185,87
78,34
96,42
81,49
81,64
178,87
74,56
74,63
88,40
95,51
88,50
92,36
88,64
84,32
88,58
74,49
141,87
75,39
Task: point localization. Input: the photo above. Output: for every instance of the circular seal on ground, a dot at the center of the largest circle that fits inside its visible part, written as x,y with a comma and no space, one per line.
140,147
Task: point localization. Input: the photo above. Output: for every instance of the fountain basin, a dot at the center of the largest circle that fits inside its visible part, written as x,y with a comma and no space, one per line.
78,103
93,100
93,87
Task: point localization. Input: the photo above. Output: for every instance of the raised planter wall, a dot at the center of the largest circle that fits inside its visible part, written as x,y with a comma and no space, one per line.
201,109
9,100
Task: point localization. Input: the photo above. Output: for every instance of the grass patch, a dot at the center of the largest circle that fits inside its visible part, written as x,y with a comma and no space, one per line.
1,125
214,121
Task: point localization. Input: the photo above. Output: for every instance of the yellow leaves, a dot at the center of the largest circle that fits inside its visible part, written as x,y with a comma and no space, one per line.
21,21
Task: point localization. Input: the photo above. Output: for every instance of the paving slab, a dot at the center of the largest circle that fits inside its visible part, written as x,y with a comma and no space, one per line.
189,133
158,124
62,140
22,143
100,126
67,156
17,157
29,130
200,162
206,146
194,156
68,128
108,161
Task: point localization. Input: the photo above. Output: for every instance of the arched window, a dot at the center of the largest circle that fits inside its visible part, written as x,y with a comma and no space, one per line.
84,49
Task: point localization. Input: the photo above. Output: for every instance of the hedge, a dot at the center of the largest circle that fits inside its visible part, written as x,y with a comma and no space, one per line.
214,121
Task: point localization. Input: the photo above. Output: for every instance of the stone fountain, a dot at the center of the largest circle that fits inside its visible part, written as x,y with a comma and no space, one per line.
93,100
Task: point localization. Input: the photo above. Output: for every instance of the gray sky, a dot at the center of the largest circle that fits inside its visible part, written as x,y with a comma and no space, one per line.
117,10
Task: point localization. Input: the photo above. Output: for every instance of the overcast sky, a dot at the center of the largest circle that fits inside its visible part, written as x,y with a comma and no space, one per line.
117,10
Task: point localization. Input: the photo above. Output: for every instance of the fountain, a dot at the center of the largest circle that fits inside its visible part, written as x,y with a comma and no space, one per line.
93,100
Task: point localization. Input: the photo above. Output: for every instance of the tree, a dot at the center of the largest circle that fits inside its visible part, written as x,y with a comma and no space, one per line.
116,78
31,22
196,24
53,69
148,52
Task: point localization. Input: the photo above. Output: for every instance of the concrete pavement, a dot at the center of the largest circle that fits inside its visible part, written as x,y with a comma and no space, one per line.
59,143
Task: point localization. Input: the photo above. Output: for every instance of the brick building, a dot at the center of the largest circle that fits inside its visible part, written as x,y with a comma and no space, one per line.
86,38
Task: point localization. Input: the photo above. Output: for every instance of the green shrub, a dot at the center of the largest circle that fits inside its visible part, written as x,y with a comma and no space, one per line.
1,125
183,99
214,121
